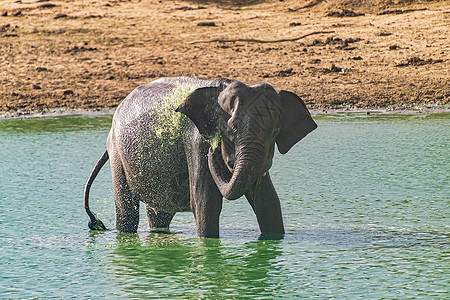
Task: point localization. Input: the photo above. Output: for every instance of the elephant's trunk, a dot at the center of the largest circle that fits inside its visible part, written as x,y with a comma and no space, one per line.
246,170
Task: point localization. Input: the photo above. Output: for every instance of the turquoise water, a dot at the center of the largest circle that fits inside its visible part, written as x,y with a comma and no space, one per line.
366,204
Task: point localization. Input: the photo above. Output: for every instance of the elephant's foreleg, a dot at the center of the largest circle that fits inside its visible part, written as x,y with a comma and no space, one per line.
205,197
158,219
266,205
206,202
206,209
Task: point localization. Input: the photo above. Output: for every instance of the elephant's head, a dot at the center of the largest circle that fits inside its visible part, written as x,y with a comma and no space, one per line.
246,122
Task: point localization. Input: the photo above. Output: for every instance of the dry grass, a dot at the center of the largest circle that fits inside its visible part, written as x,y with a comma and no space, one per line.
88,55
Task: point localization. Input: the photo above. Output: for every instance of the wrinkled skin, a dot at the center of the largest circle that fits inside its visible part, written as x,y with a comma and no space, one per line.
224,150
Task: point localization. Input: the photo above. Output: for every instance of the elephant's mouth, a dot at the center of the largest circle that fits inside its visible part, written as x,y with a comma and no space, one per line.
228,159
227,151
228,154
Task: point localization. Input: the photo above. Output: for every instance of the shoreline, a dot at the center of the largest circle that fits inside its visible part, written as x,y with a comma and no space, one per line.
421,109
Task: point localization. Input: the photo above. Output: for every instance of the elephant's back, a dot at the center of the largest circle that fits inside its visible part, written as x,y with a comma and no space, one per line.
146,119
159,97
148,134
146,100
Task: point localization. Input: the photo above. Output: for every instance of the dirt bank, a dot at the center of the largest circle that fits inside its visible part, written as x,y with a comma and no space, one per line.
82,54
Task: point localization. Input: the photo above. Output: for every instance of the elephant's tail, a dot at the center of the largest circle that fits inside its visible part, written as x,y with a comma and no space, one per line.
94,223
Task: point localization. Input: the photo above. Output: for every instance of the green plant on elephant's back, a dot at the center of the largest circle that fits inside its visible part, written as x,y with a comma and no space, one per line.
170,125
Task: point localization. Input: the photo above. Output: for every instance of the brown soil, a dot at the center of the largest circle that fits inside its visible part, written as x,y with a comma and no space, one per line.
82,54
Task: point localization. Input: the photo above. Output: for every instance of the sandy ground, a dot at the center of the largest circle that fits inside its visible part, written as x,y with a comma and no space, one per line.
88,55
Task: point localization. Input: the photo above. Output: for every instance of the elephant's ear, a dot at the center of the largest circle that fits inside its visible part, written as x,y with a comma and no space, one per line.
296,121
201,107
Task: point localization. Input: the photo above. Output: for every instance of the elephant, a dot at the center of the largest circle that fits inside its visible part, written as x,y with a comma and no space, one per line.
183,144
